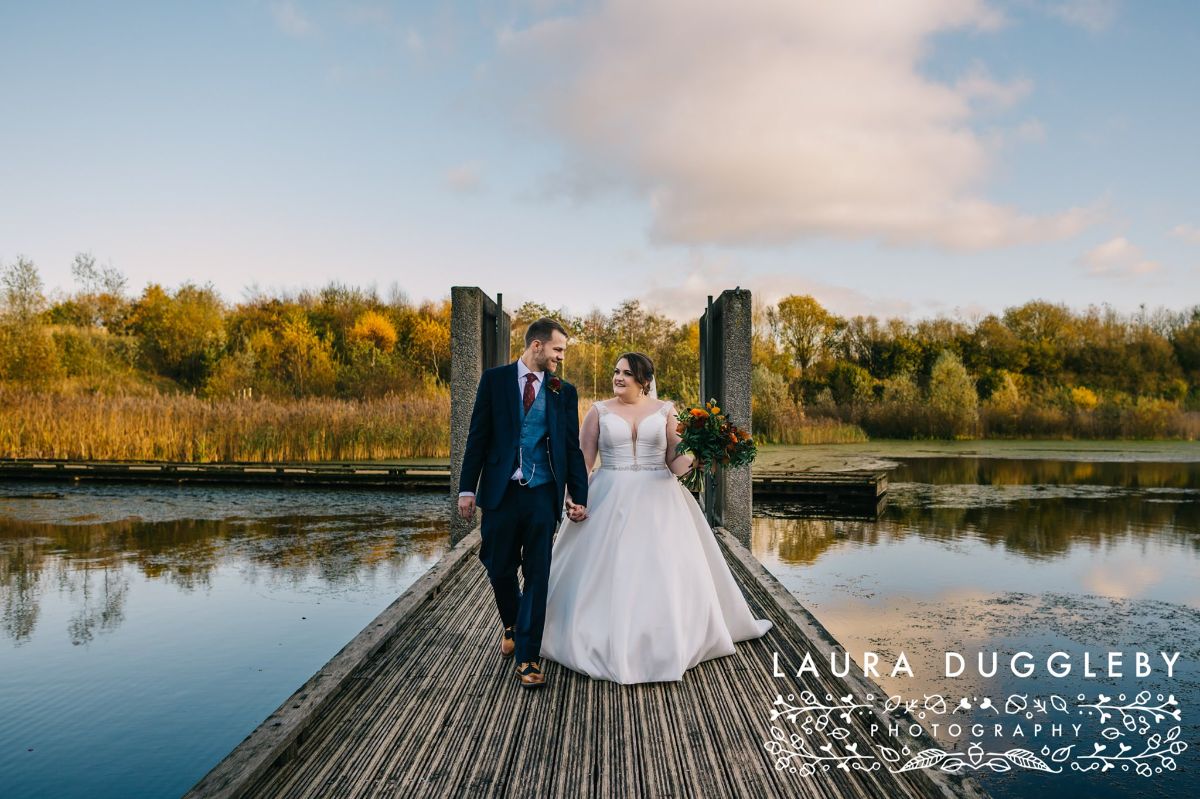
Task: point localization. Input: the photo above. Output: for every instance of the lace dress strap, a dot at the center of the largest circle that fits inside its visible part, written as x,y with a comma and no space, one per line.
601,408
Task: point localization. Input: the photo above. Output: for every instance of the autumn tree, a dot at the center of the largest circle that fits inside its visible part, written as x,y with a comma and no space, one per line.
182,334
805,328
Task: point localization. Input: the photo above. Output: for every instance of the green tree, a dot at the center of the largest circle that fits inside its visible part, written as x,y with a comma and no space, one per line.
23,291
182,334
1045,331
101,296
952,397
805,328
850,384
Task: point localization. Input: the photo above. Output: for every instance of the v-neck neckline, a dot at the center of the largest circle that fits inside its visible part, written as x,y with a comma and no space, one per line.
633,428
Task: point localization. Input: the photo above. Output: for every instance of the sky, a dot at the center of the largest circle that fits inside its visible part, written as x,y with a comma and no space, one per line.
912,158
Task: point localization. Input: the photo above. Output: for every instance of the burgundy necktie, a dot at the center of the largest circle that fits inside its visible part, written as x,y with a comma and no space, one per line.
527,397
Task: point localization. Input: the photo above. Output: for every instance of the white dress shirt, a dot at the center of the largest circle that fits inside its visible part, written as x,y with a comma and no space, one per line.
522,370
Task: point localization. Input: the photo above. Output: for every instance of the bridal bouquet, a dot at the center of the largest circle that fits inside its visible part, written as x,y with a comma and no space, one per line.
714,440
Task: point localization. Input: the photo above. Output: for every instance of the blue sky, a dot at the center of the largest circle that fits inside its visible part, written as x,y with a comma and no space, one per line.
914,158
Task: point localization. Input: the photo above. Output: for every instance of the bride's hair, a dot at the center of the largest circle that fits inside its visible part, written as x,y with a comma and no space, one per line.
642,368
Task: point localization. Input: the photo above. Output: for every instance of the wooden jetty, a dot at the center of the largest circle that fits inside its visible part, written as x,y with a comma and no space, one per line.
832,487
411,477
421,704
857,488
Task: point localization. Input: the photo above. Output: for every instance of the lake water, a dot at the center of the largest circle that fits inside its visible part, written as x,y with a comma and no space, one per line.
145,630
1009,555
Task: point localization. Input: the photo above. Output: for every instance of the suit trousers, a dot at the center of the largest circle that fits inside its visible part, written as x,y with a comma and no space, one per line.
520,532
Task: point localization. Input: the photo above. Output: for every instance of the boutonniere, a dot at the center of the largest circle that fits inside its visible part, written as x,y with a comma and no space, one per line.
554,384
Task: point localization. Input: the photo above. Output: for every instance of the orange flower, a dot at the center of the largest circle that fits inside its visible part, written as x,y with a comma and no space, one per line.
699,413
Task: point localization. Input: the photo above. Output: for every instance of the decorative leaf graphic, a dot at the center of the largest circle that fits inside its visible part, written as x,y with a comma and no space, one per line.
924,759
889,754
1061,754
1026,759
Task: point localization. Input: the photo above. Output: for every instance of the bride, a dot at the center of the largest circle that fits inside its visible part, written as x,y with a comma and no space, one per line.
638,589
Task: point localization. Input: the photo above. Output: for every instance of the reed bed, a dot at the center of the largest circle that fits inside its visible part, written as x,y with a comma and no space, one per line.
188,429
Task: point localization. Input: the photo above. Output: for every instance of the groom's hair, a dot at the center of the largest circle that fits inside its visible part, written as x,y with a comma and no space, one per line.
543,330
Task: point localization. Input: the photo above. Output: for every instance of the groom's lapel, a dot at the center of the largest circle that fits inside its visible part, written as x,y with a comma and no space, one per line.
551,405
510,391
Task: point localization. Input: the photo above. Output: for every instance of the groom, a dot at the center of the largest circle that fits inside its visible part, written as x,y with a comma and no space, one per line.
522,453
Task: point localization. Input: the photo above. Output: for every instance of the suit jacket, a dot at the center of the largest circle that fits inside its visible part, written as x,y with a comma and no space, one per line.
494,440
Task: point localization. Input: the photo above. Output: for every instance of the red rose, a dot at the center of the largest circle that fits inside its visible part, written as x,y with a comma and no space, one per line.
555,384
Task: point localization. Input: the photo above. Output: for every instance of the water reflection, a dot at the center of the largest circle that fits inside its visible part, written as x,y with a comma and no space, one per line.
1006,555
99,534
1031,519
1046,472
147,629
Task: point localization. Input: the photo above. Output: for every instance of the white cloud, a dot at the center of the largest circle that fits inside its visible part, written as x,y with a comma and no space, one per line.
1092,15
1189,233
291,20
978,84
466,177
1117,257
682,294
769,121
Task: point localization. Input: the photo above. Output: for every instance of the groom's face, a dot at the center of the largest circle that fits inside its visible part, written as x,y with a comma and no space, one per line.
549,354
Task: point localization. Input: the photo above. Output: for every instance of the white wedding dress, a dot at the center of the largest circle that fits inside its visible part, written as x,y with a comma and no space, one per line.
639,591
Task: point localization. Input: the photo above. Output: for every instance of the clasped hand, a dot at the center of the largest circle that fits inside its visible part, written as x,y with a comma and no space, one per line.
576,512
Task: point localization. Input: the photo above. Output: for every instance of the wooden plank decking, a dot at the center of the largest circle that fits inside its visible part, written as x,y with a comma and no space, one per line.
421,704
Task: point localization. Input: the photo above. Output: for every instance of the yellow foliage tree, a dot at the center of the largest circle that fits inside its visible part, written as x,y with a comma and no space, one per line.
375,329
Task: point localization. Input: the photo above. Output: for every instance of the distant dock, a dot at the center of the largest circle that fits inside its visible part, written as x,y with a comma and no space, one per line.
402,477
859,488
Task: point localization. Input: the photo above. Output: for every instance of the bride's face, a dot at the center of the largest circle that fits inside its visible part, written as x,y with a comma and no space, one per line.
624,386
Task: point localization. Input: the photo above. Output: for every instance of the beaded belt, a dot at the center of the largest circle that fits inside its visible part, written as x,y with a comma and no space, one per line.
636,467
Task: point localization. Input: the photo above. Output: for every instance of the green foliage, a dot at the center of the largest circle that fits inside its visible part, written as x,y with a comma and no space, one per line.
774,414
1035,369
952,398
850,384
805,327
28,354
182,334
23,290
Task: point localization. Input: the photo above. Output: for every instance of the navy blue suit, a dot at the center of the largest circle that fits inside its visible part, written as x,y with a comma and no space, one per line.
518,521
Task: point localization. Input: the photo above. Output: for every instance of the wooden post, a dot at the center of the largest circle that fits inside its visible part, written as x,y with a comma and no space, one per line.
725,352
479,339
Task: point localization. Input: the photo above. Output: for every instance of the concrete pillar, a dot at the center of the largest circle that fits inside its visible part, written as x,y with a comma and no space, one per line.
479,339
725,366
